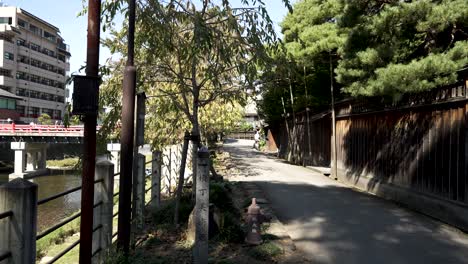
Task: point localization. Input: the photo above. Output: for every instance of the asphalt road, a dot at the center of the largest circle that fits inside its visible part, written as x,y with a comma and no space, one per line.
331,223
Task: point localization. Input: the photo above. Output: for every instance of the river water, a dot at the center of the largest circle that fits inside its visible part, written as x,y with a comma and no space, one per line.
53,211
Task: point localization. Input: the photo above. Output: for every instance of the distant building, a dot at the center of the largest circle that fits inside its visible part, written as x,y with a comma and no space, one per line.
8,103
250,110
34,64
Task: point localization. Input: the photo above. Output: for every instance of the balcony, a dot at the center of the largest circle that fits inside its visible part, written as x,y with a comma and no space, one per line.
63,47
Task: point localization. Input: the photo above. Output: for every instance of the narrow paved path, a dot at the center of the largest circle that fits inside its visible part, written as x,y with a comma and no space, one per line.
331,223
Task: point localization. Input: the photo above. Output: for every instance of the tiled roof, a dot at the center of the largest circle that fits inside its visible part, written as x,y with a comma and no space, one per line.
6,94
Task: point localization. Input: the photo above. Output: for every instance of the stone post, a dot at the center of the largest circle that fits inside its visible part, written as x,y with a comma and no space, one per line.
20,159
201,207
104,192
18,232
156,180
140,192
114,149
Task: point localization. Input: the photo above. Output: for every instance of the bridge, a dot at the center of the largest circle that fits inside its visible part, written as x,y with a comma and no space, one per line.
30,144
41,133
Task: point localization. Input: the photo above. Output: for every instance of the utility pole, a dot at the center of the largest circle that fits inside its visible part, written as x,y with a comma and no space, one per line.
293,137
126,138
89,149
334,169
307,116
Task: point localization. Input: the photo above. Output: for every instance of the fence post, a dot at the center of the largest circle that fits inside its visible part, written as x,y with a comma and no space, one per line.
104,192
18,232
156,180
140,192
201,207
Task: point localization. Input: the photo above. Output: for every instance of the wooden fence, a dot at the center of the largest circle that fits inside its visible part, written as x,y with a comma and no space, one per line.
417,143
305,141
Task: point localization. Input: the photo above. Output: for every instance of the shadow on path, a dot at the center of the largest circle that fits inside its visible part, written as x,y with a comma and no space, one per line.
331,223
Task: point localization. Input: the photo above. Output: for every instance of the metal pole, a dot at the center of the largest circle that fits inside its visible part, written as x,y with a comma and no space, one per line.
333,145
308,122
89,137
126,138
293,137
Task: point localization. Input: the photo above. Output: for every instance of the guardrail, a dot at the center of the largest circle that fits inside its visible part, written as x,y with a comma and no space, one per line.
103,235
40,129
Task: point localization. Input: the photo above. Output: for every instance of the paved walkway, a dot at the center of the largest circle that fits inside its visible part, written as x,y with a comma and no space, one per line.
331,223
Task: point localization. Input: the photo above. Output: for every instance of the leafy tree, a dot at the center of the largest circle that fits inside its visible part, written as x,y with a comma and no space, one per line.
402,46
311,38
190,55
44,119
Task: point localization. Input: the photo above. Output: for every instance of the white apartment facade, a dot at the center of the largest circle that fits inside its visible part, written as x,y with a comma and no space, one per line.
34,64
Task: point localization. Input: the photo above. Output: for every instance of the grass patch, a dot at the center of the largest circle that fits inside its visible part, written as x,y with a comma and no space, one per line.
64,163
165,215
265,251
56,238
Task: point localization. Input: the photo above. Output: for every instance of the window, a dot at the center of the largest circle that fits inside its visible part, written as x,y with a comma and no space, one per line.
35,30
35,94
20,109
48,52
60,85
33,111
21,42
35,63
35,47
61,71
49,36
58,114
22,76
6,103
5,72
22,23
23,59
5,20
9,55
21,92
50,112
60,99
61,57
35,78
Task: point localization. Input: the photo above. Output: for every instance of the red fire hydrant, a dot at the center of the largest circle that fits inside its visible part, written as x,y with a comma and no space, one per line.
255,218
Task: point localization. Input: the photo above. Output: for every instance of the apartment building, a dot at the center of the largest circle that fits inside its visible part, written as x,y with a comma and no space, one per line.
34,64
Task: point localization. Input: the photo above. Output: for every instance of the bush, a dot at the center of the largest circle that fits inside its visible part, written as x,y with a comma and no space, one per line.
165,215
265,251
230,229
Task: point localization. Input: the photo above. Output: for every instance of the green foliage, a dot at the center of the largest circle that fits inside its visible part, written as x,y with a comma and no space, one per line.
265,251
375,48
44,119
194,60
398,47
165,215
68,162
230,229
58,236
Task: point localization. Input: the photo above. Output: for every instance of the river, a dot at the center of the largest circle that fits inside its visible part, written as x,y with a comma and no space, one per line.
53,211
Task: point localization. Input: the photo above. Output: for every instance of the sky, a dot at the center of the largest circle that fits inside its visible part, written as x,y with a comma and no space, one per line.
63,14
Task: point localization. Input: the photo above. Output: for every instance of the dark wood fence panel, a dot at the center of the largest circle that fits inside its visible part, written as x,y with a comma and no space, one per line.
293,143
417,144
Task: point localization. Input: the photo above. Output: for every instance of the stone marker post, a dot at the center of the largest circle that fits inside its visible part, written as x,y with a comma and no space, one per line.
156,180
200,253
18,232
104,192
140,192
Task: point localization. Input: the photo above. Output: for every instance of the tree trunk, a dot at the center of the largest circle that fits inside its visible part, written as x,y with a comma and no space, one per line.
195,144
180,184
